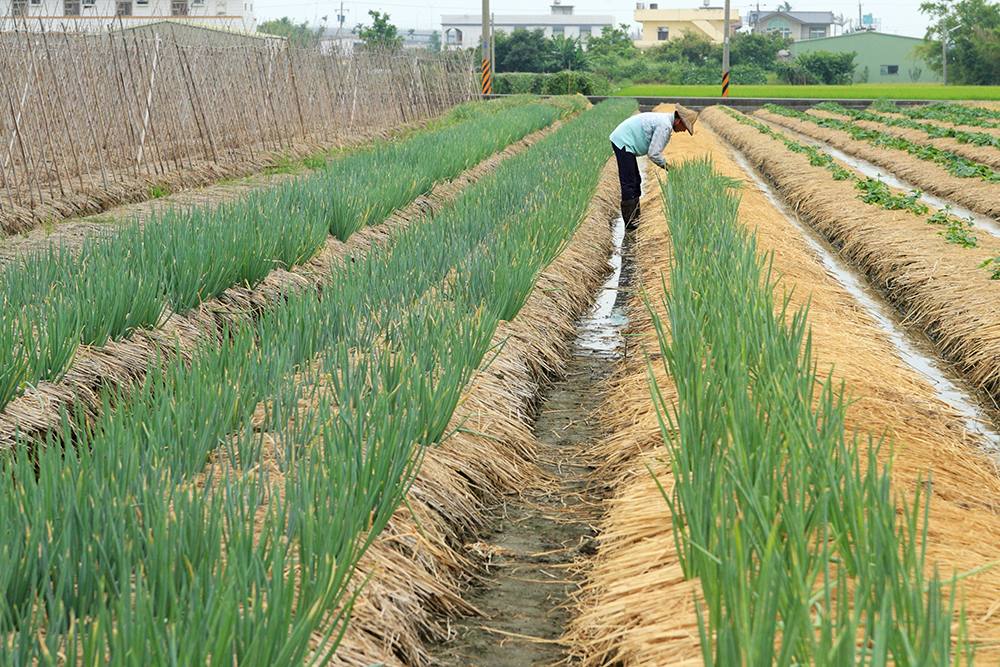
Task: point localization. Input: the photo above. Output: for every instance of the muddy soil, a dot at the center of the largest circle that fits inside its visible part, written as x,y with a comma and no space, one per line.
537,537
532,557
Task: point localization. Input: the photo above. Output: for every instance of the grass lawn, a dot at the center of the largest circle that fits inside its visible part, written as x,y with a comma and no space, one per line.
894,91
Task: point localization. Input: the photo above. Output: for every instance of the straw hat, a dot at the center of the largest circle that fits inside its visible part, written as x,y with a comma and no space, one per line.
688,117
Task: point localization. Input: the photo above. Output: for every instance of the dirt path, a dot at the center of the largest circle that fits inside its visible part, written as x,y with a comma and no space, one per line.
539,536
530,573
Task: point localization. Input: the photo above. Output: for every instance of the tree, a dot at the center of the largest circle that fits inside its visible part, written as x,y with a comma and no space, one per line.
785,7
298,34
565,53
521,51
690,48
973,42
840,20
747,48
829,68
434,42
381,34
613,41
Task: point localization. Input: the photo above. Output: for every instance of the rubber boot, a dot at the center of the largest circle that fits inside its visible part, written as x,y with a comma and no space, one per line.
630,213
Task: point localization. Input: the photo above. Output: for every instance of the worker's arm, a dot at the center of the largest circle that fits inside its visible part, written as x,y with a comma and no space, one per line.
661,137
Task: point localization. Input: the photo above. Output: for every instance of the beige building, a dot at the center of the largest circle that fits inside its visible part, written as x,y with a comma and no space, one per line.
659,25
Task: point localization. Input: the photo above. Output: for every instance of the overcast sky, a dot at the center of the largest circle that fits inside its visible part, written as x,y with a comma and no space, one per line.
899,17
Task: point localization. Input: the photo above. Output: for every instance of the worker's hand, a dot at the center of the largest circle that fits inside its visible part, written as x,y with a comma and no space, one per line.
666,166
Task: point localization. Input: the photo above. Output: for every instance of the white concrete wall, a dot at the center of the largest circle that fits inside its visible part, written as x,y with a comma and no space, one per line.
98,14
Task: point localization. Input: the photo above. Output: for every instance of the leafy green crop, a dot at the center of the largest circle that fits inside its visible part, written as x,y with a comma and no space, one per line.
123,280
163,525
874,191
804,553
947,112
934,131
956,165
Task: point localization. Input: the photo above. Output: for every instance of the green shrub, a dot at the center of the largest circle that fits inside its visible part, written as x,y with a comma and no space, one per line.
559,83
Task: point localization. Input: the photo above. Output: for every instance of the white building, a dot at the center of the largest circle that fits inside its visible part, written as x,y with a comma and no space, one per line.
465,30
96,15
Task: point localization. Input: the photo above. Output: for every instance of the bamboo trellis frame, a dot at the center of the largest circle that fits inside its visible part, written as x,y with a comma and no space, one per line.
90,118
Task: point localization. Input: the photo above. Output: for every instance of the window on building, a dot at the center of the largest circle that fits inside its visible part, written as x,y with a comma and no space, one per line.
123,8
89,3
586,30
197,2
142,3
35,3
816,33
558,30
19,7
663,34
71,7
178,7
890,69
220,7
778,25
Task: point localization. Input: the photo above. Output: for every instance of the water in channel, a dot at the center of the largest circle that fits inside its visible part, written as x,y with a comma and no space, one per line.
984,222
912,346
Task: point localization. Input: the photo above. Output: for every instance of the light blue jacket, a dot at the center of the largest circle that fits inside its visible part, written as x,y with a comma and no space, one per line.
645,134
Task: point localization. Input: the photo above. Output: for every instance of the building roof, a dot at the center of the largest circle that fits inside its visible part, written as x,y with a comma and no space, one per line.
810,18
198,25
529,19
867,35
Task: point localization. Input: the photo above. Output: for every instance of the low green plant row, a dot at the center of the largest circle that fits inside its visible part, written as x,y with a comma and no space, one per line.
158,535
55,300
555,83
956,165
873,191
947,112
932,131
364,188
804,553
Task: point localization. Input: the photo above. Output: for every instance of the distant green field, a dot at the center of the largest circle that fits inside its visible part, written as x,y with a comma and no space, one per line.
892,91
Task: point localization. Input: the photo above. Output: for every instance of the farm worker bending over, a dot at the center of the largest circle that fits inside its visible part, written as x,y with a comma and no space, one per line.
644,134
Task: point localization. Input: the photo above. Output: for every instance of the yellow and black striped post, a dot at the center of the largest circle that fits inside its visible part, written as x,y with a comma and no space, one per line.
487,78
725,84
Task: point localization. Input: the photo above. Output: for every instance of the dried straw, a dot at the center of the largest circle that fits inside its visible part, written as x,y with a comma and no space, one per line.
988,155
635,610
972,193
416,568
417,582
938,285
125,363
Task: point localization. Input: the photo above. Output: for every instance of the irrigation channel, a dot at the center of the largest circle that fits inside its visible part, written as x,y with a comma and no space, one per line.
536,534
912,345
539,537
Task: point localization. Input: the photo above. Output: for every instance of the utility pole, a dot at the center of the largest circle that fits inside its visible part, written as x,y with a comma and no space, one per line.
487,42
725,50
340,20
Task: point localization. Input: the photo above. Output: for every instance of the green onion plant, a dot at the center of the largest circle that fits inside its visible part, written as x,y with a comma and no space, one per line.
804,552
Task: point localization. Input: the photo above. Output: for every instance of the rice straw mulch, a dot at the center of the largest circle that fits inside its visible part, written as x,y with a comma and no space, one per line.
416,568
940,286
98,196
416,581
124,364
988,155
972,193
636,609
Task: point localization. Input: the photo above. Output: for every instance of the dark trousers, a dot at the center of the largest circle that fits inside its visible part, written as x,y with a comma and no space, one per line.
628,174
